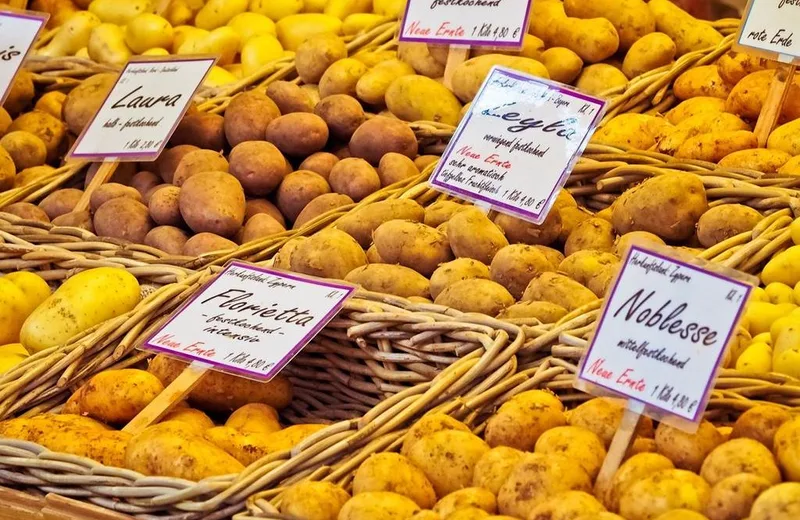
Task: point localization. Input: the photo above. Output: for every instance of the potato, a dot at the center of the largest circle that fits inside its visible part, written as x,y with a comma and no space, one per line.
602,417
329,254
69,311
562,64
7,170
20,93
83,102
593,40
390,279
319,162
316,54
668,206
247,117
319,206
372,86
203,243
713,147
28,175
759,159
341,77
514,266
378,505
5,120
298,134
342,113
760,423
355,178
694,106
594,234
219,392
476,295
631,18
419,98
213,202
259,166
535,479
448,458
98,398
786,449
785,138
78,219
254,418
689,33
671,139
469,75
428,425
633,470
60,202
455,271
664,491
381,135
634,130
441,211
519,422
166,451
558,289
392,471
566,505
474,497
650,52
167,238
701,81
412,244
473,235
739,456
170,158
27,211
105,447
580,445
297,190
110,191
734,66
493,468
289,98
777,503
196,421
722,222
164,207
123,218
25,149
599,78
545,312
361,223
259,226
522,231
394,168
44,126
313,500
733,497
202,130
747,97
585,265
685,450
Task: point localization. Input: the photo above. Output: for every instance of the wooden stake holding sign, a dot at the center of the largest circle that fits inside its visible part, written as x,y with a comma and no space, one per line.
660,340
767,31
139,115
248,321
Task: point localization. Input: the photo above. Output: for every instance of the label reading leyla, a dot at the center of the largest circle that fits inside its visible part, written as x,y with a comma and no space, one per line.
492,23
769,25
18,31
142,109
250,321
517,144
663,332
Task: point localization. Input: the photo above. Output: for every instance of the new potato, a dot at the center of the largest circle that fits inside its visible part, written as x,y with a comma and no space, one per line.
390,279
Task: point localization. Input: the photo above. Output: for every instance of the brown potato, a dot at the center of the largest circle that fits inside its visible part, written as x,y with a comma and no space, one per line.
329,254
167,238
152,191
27,211
298,134
390,279
256,206
395,167
557,288
595,234
109,191
78,219
260,226
297,190
514,266
44,126
441,211
20,93
247,116
7,170
316,54
319,162
123,218
168,161
164,206
289,98
25,149
544,312
319,205
732,498
685,450
259,166
342,113
355,178
83,102
212,202
521,231
412,244
476,295
473,235
722,222
5,121
381,135
203,243
361,223
760,423
60,202
51,102
202,130
199,161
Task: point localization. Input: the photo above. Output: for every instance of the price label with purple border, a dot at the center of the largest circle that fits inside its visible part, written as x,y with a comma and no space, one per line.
250,321
663,331
768,28
516,146
18,31
142,110
476,23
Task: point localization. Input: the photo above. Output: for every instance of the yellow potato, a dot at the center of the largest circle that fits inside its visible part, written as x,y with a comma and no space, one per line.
120,13
701,81
372,86
474,497
520,422
313,500
694,106
418,98
663,491
652,51
580,445
689,33
147,31
20,294
599,78
786,138
254,418
493,468
249,25
216,13
634,130
713,147
448,458
468,76
294,29
563,65
394,472
107,45
733,497
631,18
378,505
777,503
116,396
687,450
259,51
72,36
569,504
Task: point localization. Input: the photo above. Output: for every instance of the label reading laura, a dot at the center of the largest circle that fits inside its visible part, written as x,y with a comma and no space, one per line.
142,110
663,332
250,321
492,23
769,25
18,31
516,146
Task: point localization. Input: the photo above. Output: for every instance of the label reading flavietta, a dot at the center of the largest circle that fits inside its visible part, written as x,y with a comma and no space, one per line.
515,147
18,31
142,110
769,25
492,23
663,332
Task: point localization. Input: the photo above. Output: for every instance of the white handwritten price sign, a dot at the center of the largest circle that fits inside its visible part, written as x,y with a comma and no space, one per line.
769,27
477,23
18,31
250,321
142,109
515,148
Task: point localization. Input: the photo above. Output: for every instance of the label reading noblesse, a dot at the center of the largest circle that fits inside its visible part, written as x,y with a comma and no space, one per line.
492,23
250,321
769,25
663,331
516,146
18,31
142,110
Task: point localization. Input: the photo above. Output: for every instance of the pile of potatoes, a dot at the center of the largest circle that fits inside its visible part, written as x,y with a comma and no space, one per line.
456,255
538,461
714,121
